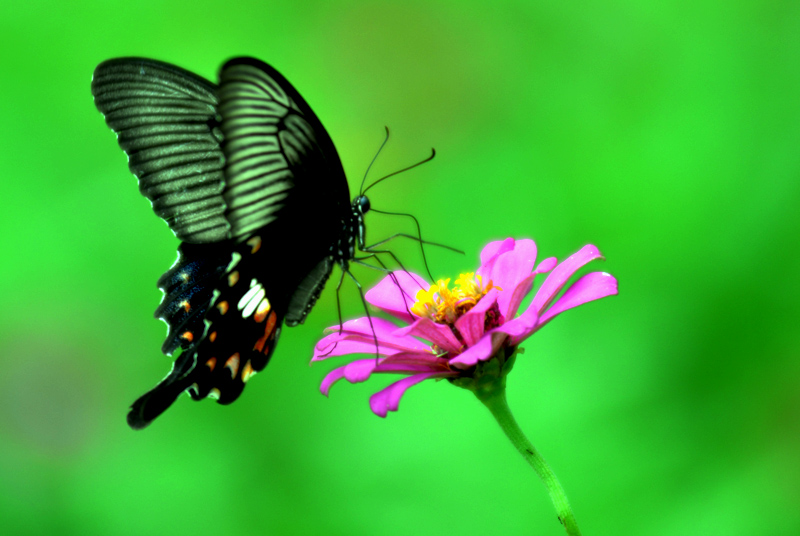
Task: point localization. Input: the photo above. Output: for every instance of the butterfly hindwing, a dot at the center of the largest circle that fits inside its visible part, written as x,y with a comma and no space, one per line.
188,288
242,326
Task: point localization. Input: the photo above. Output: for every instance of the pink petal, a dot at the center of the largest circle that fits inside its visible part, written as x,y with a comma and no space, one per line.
404,363
560,275
397,301
356,337
360,370
330,378
355,372
471,325
481,351
381,327
388,399
426,359
439,334
525,286
510,268
520,328
546,265
489,256
361,346
590,287
517,294
492,249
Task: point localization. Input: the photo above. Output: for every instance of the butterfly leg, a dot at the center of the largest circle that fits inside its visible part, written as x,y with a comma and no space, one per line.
384,269
345,270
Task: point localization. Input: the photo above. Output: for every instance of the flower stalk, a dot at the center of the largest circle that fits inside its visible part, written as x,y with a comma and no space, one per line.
489,386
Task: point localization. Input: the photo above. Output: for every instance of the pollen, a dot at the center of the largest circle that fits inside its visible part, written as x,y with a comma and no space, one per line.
444,305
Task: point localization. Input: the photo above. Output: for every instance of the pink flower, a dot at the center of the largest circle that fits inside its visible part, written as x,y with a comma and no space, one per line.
465,325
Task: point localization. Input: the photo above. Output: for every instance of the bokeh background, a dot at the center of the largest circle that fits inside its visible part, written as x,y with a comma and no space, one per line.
665,133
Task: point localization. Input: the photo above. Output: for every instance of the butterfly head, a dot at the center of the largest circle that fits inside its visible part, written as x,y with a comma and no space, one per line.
361,204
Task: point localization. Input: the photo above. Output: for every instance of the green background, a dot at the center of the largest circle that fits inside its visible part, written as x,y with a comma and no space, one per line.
667,134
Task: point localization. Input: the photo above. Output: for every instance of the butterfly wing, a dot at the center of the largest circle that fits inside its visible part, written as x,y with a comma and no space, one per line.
280,160
166,121
188,288
286,194
238,335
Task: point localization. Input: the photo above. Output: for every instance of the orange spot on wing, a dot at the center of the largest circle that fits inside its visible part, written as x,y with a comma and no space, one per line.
233,277
211,363
233,364
188,335
212,336
262,310
269,334
247,371
223,307
185,305
254,243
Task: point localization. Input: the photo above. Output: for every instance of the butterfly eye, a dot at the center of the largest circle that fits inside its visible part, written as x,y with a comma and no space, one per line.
362,202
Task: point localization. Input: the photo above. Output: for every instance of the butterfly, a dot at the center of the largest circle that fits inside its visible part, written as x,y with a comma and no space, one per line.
246,176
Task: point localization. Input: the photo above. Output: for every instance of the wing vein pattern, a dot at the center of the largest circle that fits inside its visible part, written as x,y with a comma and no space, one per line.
166,121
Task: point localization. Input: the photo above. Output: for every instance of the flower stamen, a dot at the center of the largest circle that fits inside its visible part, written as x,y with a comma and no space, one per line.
444,305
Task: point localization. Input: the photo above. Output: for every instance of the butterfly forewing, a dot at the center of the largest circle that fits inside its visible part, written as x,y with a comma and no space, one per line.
280,159
166,121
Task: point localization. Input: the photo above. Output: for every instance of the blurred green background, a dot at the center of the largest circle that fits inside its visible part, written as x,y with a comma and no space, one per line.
667,134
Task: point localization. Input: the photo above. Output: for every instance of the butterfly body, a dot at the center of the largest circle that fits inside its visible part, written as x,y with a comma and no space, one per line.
246,176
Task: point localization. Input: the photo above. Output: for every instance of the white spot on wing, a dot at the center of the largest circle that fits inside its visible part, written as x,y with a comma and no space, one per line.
235,258
251,299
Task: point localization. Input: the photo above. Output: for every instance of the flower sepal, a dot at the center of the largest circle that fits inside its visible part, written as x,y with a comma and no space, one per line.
488,378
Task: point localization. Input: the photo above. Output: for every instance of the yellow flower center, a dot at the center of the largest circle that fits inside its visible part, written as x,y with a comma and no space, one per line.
444,305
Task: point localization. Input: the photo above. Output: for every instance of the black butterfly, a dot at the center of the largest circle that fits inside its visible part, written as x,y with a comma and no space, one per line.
248,179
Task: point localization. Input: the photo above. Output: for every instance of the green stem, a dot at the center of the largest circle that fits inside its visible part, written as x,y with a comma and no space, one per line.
495,400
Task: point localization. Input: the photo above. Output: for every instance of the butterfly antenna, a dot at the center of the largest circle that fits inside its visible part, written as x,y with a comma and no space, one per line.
418,238
386,139
433,153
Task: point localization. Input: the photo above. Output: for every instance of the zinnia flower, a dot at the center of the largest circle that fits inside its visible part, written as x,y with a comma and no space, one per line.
465,325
